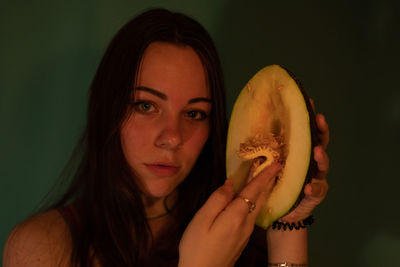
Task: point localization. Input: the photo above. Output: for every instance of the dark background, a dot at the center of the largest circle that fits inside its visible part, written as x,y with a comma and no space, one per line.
345,53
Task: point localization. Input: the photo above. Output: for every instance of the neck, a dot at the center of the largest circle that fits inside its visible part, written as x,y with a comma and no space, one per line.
158,211
158,207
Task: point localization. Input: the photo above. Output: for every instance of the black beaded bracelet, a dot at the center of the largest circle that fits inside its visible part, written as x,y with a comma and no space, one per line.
293,225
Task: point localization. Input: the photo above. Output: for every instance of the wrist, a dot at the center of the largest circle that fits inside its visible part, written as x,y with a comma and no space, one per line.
287,264
287,246
291,224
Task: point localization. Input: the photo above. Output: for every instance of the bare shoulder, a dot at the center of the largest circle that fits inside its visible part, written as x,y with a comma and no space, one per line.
42,240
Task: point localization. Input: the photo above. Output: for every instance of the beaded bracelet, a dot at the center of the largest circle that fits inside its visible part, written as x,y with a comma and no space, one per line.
286,264
293,225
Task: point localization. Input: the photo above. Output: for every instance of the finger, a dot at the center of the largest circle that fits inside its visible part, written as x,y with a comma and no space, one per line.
322,126
319,190
316,191
263,182
238,213
322,159
259,205
323,130
255,186
216,203
251,172
312,104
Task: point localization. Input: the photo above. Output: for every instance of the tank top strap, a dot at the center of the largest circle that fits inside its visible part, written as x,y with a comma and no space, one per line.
69,216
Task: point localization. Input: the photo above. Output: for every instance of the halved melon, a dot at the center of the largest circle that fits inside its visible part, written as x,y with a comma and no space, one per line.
272,120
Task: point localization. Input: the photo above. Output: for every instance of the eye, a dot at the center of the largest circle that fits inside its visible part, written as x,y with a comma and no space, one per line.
144,107
196,115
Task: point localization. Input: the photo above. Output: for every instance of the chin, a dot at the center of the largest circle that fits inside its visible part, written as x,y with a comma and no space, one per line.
159,191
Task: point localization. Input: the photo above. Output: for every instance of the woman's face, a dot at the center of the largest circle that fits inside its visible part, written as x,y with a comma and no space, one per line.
170,123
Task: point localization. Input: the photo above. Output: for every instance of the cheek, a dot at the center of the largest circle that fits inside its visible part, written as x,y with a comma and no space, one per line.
133,141
199,138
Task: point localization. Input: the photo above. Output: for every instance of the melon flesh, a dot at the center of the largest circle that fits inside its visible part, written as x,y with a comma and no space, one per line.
271,107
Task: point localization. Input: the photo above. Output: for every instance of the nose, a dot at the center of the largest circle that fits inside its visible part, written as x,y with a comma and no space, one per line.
170,135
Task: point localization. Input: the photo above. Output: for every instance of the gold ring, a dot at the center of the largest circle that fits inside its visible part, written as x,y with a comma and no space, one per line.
252,205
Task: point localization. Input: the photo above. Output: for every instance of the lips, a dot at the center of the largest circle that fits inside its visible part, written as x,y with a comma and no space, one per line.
162,169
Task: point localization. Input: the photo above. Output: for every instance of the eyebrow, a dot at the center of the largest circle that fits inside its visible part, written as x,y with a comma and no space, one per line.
165,97
199,99
152,91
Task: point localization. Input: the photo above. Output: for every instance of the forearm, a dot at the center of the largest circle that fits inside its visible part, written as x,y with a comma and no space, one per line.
287,246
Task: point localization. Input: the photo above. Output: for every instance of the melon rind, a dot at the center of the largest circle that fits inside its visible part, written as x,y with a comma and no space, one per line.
271,87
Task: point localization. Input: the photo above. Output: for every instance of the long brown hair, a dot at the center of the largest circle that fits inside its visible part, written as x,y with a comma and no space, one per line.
112,222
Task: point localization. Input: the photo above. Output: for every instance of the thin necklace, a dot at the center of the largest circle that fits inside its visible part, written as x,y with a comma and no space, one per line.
158,216
168,211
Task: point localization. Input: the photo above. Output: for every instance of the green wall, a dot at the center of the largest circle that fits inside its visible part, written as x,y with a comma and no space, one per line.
345,53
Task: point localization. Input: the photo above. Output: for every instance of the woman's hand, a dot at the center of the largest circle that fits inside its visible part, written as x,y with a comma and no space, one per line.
291,246
221,228
315,191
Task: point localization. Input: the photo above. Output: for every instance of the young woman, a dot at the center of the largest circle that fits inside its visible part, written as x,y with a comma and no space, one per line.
150,189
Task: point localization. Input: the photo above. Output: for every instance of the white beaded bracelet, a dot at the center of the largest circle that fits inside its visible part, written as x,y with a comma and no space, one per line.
286,264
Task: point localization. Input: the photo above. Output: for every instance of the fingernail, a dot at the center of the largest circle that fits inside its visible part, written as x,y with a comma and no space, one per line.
315,190
228,182
318,149
249,178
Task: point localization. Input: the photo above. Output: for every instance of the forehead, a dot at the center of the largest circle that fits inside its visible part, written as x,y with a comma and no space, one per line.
173,69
